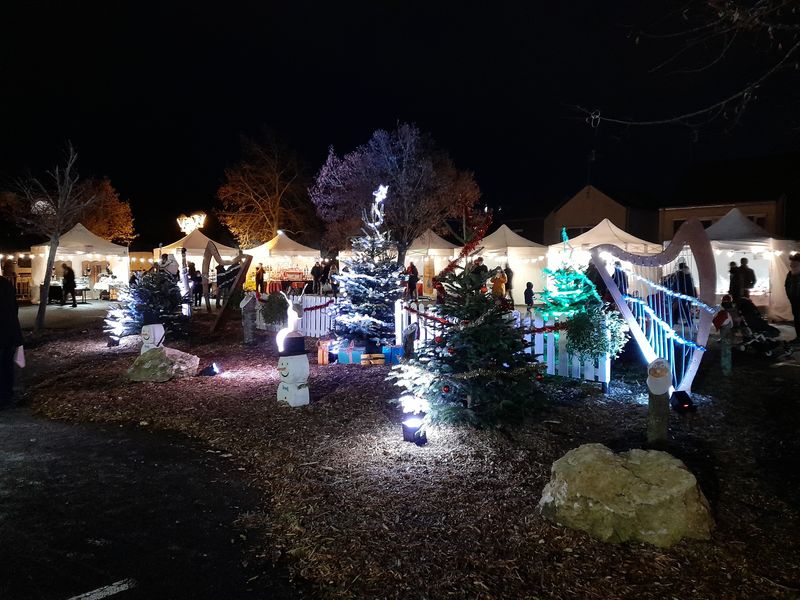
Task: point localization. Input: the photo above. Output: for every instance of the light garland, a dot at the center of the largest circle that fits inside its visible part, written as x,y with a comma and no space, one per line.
666,327
673,294
494,373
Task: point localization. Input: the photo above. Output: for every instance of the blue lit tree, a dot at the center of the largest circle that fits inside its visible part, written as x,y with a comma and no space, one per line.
370,284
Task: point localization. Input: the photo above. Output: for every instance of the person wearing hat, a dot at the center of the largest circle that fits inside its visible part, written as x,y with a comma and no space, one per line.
792,287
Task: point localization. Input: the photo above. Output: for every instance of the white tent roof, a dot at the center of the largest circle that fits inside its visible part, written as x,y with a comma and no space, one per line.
735,226
504,238
283,245
429,243
81,240
195,243
605,232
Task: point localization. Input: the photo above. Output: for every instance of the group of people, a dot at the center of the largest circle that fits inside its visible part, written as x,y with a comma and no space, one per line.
742,279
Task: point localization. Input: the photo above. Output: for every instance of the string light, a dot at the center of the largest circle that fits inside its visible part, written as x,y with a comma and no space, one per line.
666,327
673,294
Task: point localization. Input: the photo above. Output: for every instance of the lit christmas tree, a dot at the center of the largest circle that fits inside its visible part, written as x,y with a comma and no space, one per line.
476,370
156,298
370,284
571,292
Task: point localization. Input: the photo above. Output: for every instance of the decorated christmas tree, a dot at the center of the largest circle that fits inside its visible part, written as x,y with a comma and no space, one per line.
369,283
476,370
593,329
156,298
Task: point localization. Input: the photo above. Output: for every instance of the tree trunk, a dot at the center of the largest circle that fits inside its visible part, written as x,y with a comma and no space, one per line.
401,255
48,275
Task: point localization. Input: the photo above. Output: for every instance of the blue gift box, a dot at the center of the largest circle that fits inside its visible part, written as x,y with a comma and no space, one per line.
393,354
345,357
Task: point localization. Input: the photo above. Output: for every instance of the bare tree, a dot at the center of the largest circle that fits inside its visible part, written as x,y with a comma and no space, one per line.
708,34
50,206
425,187
267,191
109,216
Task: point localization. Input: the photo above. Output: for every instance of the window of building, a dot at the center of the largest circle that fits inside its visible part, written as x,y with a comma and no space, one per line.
676,224
707,223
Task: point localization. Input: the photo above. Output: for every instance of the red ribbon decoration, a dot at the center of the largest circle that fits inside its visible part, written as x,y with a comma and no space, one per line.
423,315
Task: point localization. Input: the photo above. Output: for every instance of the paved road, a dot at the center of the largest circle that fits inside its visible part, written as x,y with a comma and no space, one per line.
84,316
84,506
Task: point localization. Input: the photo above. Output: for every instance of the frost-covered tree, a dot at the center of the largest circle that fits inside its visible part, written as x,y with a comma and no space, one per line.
370,283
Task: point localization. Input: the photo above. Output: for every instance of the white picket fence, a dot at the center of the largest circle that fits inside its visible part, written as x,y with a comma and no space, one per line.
551,347
313,323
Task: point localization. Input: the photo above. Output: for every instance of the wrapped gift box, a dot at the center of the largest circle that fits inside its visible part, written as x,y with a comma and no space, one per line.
350,357
392,354
373,359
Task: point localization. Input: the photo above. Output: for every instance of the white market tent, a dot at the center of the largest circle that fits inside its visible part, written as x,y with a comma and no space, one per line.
605,232
195,244
82,250
283,253
526,258
430,253
735,236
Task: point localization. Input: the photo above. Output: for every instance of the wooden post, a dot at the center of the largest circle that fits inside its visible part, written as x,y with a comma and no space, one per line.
659,380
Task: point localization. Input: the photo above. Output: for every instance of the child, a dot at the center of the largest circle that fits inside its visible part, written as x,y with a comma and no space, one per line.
529,296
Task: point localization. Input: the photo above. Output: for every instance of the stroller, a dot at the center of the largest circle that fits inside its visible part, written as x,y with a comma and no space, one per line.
756,333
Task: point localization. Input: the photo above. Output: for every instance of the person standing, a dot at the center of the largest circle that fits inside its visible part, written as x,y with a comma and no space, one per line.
479,273
735,283
316,277
68,285
792,287
260,272
620,278
10,340
682,283
747,278
529,296
499,284
413,279
509,283
197,287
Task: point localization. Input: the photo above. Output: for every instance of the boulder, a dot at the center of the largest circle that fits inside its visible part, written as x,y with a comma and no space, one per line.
162,364
641,495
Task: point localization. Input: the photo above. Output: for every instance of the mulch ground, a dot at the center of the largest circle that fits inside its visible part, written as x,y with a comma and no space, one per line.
358,513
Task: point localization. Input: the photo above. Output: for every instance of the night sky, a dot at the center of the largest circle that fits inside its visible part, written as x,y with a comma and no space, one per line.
156,95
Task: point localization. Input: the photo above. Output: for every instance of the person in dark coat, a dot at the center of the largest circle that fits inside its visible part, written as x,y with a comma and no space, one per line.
10,340
260,272
735,285
413,279
681,282
316,276
68,285
509,283
747,278
529,296
197,287
479,273
792,287
620,278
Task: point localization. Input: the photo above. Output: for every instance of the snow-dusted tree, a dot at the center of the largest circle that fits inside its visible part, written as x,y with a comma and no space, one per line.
265,192
49,207
426,186
370,284
109,216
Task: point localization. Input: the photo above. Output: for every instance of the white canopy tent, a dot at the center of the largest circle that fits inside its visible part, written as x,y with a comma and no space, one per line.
526,258
430,253
734,237
282,253
88,254
605,232
195,244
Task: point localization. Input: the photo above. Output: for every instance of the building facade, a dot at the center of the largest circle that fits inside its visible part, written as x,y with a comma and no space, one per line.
769,215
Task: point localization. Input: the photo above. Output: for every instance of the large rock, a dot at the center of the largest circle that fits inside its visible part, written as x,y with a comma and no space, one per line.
642,495
162,364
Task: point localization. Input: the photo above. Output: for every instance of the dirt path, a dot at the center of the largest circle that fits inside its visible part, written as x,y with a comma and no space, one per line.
84,506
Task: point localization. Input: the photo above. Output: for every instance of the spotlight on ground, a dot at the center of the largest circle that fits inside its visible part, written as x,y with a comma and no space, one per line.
211,370
413,431
682,402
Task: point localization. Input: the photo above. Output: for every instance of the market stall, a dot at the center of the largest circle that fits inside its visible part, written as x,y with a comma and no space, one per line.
195,244
430,253
526,258
288,263
100,266
734,237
